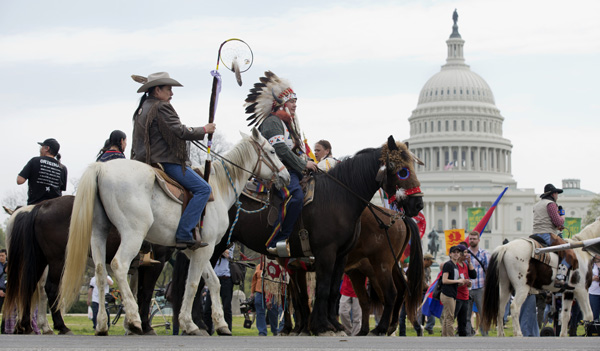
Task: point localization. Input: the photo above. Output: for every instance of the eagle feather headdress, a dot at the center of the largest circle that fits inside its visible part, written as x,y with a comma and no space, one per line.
270,92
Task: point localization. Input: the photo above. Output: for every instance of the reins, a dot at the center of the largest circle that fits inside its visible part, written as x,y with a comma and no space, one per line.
379,221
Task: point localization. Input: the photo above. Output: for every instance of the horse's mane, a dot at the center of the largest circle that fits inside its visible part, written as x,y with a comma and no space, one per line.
590,231
241,152
355,172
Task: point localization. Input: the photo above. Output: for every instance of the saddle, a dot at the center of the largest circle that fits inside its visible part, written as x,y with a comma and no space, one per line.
545,257
259,192
172,188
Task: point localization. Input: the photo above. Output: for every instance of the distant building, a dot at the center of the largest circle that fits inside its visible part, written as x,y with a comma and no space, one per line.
456,130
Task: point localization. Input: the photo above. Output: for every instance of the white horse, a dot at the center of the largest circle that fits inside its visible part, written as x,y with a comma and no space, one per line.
512,268
124,193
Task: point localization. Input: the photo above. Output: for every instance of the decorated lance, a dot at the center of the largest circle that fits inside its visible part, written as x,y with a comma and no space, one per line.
572,245
237,57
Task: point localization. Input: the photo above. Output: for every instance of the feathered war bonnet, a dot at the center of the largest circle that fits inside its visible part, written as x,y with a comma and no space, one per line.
269,97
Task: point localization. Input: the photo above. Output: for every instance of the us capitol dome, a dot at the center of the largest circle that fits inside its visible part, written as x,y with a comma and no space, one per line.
456,130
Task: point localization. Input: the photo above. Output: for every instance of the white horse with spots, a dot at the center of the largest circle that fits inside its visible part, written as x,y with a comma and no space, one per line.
124,194
513,268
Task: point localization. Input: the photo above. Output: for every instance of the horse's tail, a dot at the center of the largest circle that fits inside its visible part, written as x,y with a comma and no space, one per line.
80,233
491,291
414,291
26,263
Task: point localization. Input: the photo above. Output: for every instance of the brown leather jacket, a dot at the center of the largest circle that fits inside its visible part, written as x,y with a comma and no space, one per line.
161,150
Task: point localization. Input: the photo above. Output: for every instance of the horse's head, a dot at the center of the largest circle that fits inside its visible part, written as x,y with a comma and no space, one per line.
274,171
397,176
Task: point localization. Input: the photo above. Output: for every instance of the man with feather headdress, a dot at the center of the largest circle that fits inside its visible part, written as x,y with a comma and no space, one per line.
272,105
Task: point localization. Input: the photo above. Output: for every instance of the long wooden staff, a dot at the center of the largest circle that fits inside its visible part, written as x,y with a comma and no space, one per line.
214,96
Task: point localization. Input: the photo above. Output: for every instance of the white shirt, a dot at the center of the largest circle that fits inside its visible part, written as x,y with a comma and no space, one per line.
595,287
95,296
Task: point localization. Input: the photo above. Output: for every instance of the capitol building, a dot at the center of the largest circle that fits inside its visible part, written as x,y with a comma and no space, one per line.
456,130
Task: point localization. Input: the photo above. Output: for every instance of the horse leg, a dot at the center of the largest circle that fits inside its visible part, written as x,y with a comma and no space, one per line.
302,304
334,295
389,297
567,303
582,297
515,309
42,319
214,286
358,284
319,324
398,301
186,324
52,284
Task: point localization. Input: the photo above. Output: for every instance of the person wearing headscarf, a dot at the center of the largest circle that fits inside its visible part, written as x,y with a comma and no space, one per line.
272,103
114,147
159,137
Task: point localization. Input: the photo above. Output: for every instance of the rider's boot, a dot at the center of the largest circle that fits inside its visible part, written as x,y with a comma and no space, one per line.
561,276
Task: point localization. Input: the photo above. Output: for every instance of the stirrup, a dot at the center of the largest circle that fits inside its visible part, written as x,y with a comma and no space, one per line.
281,249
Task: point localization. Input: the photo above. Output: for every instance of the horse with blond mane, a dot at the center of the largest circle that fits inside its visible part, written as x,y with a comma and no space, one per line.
125,194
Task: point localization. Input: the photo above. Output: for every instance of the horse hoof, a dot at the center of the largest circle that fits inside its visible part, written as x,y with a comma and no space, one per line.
327,333
197,332
48,332
150,332
223,331
102,333
304,333
68,332
135,328
341,333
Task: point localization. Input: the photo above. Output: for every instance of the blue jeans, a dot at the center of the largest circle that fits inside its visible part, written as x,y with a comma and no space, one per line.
528,317
595,305
293,210
95,306
272,314
201,191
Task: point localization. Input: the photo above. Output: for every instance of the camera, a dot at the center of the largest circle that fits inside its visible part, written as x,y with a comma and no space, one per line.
247,306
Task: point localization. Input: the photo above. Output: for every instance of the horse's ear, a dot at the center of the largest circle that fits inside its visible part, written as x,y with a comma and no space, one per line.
392,143
256,134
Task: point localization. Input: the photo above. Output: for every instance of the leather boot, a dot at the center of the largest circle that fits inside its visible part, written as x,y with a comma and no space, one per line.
561,276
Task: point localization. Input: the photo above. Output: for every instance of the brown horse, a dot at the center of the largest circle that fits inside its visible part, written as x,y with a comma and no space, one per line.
37,237
375,256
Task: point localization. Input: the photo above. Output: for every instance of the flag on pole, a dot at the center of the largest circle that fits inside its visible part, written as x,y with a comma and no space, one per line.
309,152
431,306
486,218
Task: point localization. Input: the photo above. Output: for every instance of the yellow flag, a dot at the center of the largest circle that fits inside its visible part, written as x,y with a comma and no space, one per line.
453,237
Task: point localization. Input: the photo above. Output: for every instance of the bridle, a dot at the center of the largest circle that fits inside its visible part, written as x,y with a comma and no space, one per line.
257,167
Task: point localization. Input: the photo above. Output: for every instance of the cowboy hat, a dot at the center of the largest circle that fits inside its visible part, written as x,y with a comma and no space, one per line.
550,189
155,79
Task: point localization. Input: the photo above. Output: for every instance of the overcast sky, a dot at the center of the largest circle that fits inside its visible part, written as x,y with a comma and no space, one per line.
357,67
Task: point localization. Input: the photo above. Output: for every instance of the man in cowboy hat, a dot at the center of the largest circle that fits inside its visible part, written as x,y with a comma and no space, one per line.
548,220
160,137
46,176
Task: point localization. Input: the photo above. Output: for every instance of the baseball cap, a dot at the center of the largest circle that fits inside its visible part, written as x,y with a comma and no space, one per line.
52,144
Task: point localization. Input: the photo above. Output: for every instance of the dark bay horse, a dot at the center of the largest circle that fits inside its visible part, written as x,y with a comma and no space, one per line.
376,256
37,238
332,219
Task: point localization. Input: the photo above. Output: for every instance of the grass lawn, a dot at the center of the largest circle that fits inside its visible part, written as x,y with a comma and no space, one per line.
81,325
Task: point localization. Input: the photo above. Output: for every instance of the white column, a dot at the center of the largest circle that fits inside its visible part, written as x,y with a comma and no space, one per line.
460,215
431,218
446,222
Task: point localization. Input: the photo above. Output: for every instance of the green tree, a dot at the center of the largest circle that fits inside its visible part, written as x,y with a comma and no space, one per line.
2,239
593,212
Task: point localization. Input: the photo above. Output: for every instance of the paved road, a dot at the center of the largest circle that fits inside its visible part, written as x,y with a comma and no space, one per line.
37,342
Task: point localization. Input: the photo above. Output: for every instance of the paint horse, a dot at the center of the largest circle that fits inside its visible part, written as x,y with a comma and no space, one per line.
512,268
